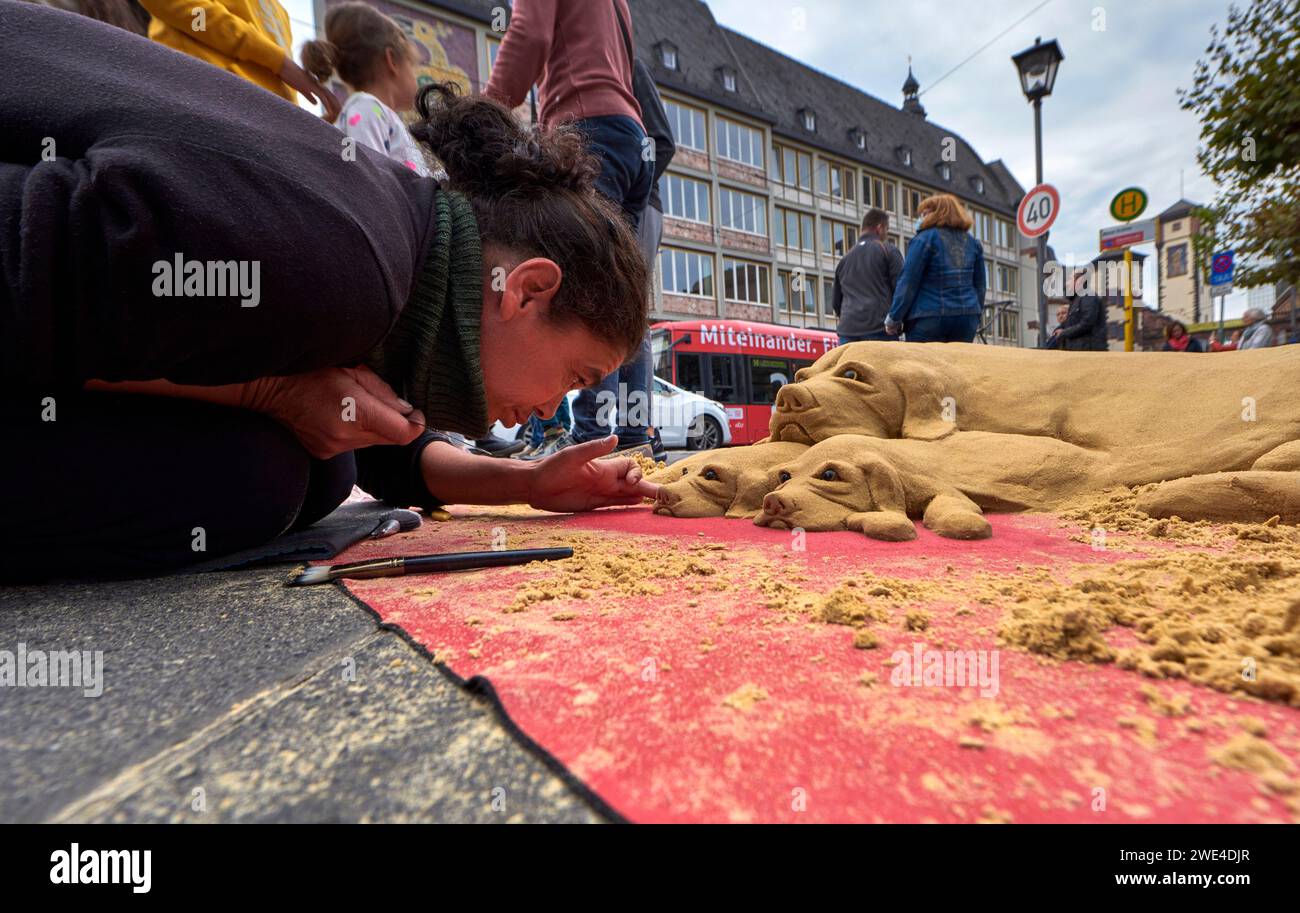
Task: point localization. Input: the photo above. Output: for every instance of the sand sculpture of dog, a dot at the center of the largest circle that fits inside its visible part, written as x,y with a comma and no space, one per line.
718,483
1154,415
875,485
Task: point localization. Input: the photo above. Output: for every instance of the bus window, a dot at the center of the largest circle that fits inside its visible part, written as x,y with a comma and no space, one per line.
688,373
661,354
766,376
724,379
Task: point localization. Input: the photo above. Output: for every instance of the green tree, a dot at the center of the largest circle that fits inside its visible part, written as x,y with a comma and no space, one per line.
1246,93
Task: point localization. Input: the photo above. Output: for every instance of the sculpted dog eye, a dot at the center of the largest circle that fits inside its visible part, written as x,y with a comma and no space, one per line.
711,475
829,475
783,476
849,374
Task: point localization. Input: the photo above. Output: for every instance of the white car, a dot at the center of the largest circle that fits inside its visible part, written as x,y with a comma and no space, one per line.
683,419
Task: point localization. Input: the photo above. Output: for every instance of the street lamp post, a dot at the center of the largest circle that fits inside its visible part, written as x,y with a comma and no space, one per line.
1037,66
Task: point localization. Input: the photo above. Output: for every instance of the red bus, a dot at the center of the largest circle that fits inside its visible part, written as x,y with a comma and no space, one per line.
738,363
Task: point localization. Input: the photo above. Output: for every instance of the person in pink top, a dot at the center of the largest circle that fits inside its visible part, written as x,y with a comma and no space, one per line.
579,54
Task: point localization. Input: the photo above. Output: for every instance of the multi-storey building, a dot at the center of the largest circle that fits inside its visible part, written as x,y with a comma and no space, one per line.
1184,294
776,165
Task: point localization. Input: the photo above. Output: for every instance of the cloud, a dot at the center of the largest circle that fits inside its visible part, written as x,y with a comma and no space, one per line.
1113,120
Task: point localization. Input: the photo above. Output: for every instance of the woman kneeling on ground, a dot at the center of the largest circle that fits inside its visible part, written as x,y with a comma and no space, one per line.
217,314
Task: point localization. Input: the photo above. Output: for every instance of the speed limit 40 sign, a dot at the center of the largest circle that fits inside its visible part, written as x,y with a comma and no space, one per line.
1038,210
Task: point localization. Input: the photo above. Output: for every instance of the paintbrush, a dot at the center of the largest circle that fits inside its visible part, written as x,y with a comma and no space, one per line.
426,564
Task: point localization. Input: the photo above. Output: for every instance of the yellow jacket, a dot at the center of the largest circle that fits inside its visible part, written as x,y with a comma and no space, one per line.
249,38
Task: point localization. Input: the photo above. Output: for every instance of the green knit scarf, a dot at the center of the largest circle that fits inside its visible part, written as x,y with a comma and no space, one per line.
431,355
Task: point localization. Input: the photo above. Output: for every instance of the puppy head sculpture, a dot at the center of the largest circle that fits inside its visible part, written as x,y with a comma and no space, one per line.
839,484
880,389
718,483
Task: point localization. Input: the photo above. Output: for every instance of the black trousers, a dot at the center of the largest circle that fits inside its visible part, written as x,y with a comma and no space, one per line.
102,484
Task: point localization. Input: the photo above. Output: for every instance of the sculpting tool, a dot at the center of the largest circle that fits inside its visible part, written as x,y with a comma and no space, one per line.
426,564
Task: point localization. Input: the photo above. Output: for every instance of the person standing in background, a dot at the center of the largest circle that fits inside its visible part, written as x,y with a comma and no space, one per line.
579,54
940,293
1054,341
1084,329
548,435
250,38
372,54
865,279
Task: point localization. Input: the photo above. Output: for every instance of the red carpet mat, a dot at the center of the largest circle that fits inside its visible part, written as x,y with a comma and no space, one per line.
693,691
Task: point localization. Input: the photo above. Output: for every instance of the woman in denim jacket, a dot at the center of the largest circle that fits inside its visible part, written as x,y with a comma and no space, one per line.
940,294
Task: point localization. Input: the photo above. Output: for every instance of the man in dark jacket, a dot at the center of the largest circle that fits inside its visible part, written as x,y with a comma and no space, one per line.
1084,329
864,282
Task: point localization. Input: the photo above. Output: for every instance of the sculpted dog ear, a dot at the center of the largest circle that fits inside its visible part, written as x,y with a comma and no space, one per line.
923,407
885,485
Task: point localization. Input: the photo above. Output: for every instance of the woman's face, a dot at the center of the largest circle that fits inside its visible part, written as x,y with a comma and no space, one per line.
530,362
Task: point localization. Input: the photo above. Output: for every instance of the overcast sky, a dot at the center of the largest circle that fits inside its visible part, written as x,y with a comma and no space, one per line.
1112,121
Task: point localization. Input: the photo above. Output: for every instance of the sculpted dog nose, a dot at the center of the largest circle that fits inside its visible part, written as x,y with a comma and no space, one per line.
774,504
666,497
794,398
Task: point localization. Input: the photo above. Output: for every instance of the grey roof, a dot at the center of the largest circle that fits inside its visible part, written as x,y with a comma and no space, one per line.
1179,210
774,88
702,49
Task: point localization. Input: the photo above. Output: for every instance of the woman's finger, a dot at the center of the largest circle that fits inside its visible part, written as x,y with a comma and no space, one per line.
387,424
377,387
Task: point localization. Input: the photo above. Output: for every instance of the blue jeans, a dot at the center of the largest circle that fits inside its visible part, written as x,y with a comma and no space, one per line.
562,419
626,178
615,398
882,336
952,328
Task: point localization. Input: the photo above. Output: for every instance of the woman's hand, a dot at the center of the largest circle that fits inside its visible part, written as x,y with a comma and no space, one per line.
295,77
574,479
334,410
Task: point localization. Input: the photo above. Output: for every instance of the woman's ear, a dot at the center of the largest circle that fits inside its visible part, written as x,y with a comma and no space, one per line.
531,284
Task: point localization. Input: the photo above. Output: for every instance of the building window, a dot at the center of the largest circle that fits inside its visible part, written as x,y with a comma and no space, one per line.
728,78
796,292
685,198
794,229
688,126
838,182
905,156
858,138
1178,226
1009,325
792,167
1178,260
1008,277
668,54
740,143
945,171
742,211
684,272
978,184
1005,237
745,282
837,238
911,201
809,119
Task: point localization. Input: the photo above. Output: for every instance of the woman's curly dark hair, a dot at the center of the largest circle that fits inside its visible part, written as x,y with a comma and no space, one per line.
534,191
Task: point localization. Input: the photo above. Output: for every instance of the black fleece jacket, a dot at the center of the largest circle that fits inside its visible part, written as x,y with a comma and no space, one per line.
118,154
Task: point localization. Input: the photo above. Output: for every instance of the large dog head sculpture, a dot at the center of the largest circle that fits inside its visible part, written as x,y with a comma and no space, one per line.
880,389
835,484
720,483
